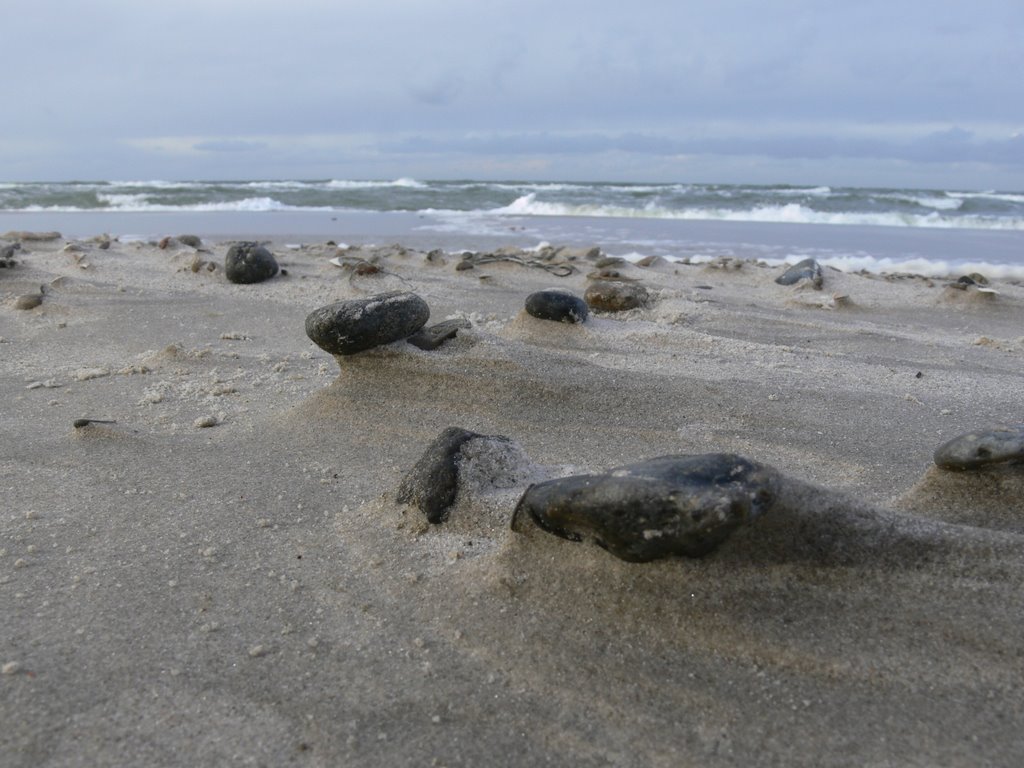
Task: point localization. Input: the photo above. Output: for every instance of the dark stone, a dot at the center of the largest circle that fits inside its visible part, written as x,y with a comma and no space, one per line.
7,254
663,507
249,263
611,296
433,337
609,261
982,448
192,241
347,327
560,306
808,269
433,483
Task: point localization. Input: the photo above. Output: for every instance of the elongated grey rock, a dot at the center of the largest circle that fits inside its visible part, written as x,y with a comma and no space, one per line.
347,327
982,448
433,482
808,269
662,507
249,263
558,305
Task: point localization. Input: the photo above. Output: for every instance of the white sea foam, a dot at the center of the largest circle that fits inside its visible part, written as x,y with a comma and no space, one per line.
791,213
1008,197
349,184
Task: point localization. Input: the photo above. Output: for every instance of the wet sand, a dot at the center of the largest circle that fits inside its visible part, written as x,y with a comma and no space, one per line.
253,593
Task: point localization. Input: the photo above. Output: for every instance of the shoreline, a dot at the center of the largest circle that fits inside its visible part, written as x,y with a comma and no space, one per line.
182,594
935,252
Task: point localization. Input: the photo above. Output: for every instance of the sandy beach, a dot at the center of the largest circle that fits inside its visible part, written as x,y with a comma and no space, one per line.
216,570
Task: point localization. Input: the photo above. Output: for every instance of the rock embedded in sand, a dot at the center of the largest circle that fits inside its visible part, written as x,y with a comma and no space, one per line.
808,269
433,482
662,507
249,263
982,448
347,327
433,337
558,305
612,296
192,241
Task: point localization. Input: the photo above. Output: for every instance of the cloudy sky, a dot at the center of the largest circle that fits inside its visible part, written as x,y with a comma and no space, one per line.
888,92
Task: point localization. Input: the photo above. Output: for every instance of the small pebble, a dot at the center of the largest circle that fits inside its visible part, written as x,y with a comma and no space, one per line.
257,650
982,448
615,296
662,507
249,263
10,668
557,305
808,269
205,421
348,327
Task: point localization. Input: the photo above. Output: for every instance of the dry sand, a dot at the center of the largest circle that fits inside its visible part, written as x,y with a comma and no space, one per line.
250,593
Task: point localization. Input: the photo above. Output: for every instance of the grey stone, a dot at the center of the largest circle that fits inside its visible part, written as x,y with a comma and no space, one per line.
192,241
558,305
433,482
249,263
662,507
347,327
613,296
433,337
982,448
808,269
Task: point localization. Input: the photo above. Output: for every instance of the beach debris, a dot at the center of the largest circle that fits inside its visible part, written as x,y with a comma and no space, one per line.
433,337
982,448
433,483
808,269
7,255
28,300
558,305
615,296
355,325
652,261
609,261
86,374
29,237
79,423
205,422
545,261
249,262
663,507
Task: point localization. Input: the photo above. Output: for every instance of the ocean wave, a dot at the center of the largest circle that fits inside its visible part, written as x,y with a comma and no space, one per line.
138,204
349,184
790,213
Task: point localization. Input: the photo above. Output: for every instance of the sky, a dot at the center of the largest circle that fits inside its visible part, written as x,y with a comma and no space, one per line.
920,93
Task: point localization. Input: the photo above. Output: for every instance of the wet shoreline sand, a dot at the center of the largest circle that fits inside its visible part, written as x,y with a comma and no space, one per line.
253,592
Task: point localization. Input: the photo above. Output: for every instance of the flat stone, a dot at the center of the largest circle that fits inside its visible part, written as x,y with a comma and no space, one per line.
249,263
613,296
347,327
982,448
433,482
433,337
558,305
808,269
662,507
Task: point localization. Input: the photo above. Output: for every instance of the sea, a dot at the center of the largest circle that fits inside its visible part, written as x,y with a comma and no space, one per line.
922,231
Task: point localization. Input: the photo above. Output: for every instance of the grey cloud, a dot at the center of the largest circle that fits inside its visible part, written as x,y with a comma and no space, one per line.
229,145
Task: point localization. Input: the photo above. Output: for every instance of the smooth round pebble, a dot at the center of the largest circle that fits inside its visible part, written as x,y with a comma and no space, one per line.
613,296
249,263
808,269
205,421
348,327
10,668
662,507
557,305
982,448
